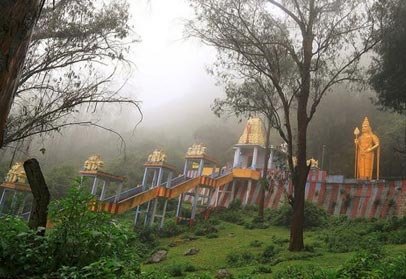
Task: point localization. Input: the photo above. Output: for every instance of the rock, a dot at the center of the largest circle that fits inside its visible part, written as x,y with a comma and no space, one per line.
223,273
191,252
158,256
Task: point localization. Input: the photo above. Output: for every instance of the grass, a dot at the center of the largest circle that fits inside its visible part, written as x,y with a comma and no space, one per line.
237,240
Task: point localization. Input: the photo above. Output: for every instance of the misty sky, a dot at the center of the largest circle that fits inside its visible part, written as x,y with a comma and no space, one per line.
169,70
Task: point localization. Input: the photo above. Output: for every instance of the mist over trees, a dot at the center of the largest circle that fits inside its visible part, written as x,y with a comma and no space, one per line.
76,50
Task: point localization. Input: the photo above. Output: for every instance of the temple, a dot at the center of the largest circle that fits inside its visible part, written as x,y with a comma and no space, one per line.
204,184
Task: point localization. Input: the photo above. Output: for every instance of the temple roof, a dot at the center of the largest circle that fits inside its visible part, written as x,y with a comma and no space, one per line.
254,132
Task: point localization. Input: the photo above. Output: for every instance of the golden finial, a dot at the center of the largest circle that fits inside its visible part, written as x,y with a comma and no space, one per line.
313,163
94,162
196,150
16,174
254,132
157,156
356,132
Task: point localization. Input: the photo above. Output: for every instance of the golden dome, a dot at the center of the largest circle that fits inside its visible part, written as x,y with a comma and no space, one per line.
254,132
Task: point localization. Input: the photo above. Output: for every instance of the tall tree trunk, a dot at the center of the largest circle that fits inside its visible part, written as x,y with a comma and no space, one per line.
17,21
39,211
264,180
301,170
299,184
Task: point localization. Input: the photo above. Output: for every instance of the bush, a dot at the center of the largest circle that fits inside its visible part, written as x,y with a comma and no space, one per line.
308,272
262,269
212,235
175,270
360,266
205,228
240,259
170,229
82,243
256,243
268,254
235,205
314,216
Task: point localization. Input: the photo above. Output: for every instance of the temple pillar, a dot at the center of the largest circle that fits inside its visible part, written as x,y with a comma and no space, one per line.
237,154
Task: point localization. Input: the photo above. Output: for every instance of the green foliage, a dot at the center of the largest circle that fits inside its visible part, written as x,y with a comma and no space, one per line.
238,259
59,180
82,236
171,228
82,244
262,269
314,216
256,243
22,251
308,272
205,228
175,270
268,254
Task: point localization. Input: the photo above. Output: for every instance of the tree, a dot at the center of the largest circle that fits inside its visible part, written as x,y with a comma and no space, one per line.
299,50
16,25
76,49
389,70
251,97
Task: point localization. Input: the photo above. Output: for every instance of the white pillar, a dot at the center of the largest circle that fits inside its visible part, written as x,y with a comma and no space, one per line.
144,179
169,180
201,166
103,192
185,167
118,192
247,194
237,153
94,187
194,204
159,177
254,158
3,195
178,209
163,214
270,159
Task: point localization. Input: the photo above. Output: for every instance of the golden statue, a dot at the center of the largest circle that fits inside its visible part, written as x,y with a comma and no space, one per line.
196,150
313,163
157,156
93,163
16,174
365,147
254,132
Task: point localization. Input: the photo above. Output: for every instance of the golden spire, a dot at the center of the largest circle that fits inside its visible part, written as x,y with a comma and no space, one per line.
196,150
254,132
16,174
157,156
94,162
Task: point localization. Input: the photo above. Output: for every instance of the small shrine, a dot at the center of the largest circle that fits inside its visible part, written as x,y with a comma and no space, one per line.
104,186
157,173
250,149
16,197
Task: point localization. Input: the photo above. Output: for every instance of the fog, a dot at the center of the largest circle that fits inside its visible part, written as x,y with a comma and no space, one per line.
169,78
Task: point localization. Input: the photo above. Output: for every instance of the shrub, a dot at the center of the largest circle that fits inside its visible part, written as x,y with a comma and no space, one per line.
256,243
268,254
262,269
82,243
170,229
231,216
212,235
174,270
360,266
205,228
235,205
240,259
314,216
190,267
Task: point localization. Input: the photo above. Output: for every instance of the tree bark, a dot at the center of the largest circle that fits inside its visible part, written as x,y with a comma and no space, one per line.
39,211
17,21
261,206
